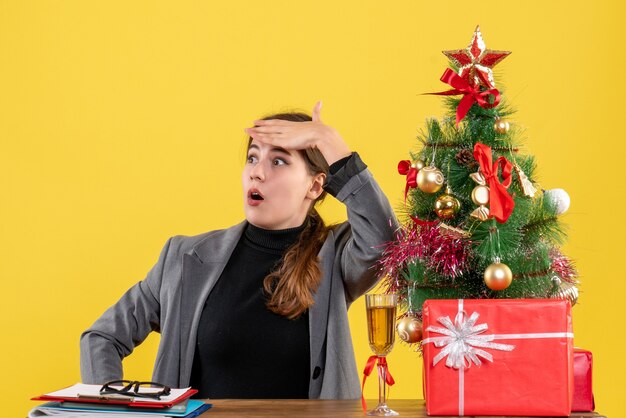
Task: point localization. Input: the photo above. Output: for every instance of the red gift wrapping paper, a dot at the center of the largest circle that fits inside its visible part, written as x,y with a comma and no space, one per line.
532,378
583,394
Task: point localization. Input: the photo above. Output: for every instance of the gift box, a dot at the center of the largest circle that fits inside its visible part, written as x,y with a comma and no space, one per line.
498,357
583,394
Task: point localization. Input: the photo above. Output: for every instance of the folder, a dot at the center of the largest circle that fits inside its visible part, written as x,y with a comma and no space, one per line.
193,409
83,393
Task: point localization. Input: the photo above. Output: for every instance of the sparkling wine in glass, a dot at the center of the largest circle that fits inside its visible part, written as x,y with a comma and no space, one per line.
381,318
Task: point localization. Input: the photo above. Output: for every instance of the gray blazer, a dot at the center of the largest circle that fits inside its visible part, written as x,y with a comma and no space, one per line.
171,298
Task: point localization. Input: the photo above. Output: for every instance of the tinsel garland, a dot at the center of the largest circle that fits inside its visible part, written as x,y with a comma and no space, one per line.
444,254
563,266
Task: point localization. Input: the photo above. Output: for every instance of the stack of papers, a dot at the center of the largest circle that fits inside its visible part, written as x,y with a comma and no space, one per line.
85,401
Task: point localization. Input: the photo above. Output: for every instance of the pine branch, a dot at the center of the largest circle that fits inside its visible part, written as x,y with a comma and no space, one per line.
459,147
544,224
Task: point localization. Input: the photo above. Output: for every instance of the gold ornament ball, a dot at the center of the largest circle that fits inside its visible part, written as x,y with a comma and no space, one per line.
498,276
480,195
447,206
410,329
419,164
429,179
501,126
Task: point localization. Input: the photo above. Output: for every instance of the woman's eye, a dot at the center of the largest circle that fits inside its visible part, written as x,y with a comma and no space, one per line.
252,159
279,161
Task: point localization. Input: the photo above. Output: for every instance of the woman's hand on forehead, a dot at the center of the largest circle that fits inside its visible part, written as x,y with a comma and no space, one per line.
302,135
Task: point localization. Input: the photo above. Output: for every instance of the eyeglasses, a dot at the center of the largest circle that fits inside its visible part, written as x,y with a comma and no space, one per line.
135,388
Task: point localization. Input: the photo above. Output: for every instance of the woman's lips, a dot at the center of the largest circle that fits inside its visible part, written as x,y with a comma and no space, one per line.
255,197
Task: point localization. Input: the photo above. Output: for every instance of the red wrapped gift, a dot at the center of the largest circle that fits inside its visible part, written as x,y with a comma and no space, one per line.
583,395
498,357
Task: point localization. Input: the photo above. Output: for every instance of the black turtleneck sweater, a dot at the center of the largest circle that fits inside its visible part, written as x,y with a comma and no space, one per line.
244,350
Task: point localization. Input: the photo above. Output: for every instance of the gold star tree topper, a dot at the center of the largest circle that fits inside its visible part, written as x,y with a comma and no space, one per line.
476,61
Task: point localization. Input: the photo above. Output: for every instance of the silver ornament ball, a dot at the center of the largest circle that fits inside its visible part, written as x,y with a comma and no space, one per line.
560,198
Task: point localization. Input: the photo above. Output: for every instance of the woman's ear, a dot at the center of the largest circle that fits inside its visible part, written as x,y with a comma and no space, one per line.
317,186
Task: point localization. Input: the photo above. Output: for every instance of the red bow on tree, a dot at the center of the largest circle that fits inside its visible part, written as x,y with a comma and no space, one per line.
405,168
420,222
501,204
471,94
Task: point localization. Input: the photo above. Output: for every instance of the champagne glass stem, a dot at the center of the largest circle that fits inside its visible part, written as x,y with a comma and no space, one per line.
382,386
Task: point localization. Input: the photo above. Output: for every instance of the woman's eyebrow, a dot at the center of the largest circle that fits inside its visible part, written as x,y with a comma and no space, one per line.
281,150
273,149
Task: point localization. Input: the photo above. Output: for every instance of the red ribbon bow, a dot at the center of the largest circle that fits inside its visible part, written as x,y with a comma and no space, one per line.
420,222
404,168
369,366
470,94
501,204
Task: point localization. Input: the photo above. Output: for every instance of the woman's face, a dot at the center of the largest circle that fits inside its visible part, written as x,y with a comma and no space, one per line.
278,189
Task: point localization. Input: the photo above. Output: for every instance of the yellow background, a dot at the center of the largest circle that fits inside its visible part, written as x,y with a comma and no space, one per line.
121,124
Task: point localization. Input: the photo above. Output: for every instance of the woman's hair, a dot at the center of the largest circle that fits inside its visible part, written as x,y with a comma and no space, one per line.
291,285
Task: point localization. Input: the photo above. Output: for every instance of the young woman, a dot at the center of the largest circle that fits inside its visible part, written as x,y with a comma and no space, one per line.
259,310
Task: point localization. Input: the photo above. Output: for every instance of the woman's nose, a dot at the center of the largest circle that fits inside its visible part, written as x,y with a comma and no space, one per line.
257,172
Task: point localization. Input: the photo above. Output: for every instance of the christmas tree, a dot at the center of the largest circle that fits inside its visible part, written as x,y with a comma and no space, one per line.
477,223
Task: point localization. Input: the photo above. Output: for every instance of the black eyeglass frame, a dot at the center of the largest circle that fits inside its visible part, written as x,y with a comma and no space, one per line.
128,385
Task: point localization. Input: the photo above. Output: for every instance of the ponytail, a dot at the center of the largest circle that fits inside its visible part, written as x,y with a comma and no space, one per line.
292,285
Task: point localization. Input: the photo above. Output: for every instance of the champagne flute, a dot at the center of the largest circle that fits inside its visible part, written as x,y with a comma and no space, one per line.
381,317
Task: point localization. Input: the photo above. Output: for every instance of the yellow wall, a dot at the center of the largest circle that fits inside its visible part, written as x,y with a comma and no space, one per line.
121,124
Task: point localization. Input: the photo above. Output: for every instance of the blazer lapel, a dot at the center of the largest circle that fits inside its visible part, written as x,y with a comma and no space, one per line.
318,315
201,269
